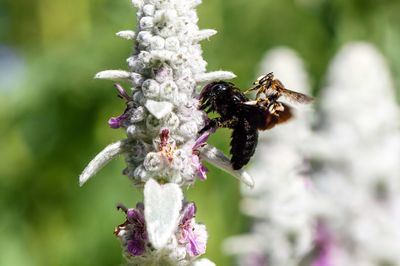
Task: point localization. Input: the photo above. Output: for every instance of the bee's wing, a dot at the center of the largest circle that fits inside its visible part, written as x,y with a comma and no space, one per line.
292,96
296,97
286,114
279,117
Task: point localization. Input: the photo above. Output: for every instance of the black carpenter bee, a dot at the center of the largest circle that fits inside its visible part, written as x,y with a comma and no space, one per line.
246,117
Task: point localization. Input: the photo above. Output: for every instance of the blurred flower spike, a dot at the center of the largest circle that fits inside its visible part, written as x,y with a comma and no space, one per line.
324,245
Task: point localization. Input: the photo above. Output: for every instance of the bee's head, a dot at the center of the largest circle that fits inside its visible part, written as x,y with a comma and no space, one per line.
211,93
264,79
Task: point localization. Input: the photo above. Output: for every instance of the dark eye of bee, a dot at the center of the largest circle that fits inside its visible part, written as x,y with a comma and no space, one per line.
221,87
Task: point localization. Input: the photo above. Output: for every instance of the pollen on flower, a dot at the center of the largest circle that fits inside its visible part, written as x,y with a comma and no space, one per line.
166,147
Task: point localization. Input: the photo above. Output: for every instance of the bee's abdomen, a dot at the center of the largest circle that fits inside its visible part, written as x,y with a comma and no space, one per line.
243,143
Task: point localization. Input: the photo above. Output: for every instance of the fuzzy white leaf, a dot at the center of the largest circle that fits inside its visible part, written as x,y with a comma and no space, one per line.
162,204
194,3
126,34
158,109
203,262
137,3
101,159
204,34
115,75
215,75
218,158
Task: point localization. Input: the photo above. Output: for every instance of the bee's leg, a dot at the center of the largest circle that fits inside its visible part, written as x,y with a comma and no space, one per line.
250,89
212,123
218,122
275,107
263,102
230,123
259,92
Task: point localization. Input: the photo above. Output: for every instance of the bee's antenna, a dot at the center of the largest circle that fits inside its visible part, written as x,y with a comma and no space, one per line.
250,89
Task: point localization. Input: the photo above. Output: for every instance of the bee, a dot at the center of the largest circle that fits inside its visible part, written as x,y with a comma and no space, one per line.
273,89
244,116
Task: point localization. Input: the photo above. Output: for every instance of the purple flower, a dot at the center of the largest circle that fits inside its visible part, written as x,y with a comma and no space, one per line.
255,259
324,245
166,148
193,235
136,227
116,122
201,141
136,247
201,169
121,92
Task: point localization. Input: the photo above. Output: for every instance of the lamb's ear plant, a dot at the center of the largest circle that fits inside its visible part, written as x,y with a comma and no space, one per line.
357,150
163,150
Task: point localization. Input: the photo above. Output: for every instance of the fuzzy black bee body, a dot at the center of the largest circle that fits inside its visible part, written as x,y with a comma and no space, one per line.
245,120
243,143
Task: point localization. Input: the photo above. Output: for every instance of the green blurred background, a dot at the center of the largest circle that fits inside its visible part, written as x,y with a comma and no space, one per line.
53,115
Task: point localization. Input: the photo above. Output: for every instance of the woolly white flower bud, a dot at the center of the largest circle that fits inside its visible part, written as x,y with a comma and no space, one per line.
151,89
138,149
168,90
140,174
144,56
136,131
172,121
153,124
135,65
171,15
181,99
172,43
189,129
163,73
144,38
138,115
137,3
153,162
146,23
148,10
157,43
